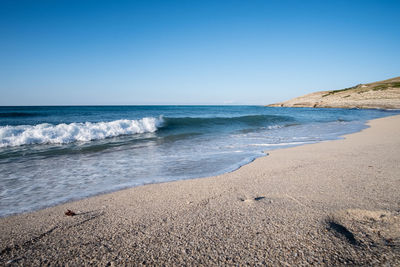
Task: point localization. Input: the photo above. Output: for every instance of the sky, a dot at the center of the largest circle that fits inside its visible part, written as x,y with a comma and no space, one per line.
94,52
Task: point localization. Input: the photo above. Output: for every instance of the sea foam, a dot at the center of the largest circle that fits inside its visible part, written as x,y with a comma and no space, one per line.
67,133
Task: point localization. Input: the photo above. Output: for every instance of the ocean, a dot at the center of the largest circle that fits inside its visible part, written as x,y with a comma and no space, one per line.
54,154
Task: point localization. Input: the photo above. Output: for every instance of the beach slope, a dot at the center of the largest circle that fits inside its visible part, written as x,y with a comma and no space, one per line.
333,203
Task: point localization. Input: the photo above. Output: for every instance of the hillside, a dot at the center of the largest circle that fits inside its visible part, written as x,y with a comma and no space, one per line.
381,95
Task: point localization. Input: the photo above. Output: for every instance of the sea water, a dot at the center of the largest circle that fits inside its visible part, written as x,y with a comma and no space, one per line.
50,155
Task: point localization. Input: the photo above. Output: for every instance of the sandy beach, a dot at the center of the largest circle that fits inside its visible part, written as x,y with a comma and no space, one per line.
330,203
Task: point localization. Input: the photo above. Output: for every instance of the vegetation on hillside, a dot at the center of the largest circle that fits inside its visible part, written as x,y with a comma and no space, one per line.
379,87
386,86
341,90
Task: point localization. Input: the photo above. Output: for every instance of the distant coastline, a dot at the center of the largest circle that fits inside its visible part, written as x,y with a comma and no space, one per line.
377,95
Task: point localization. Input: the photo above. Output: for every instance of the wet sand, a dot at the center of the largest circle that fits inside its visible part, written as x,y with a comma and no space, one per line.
330,203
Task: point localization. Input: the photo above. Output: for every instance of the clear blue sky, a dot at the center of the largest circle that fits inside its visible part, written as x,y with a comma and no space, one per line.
191,52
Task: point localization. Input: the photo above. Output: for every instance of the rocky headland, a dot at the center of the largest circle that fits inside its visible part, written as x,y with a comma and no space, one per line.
378,95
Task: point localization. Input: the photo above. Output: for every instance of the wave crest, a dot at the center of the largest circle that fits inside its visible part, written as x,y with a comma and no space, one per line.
249,120
18,114
67,133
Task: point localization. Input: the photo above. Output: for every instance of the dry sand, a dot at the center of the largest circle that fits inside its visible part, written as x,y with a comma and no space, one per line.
330,203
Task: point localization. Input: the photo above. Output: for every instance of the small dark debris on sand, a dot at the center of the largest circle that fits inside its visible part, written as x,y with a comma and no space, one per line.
70,213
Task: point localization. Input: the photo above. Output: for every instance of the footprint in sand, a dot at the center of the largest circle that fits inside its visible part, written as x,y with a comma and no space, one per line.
376,228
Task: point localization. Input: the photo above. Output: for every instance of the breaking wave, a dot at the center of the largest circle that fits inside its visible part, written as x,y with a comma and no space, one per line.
45,133
67,133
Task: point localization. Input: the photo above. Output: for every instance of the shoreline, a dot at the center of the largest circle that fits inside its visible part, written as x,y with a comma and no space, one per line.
280,208
230,169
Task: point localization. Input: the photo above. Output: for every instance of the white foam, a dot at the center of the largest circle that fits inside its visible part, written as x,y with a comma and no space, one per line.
273,127
67,133
283,144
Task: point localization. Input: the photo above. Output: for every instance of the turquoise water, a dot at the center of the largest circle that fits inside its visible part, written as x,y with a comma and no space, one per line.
50,155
